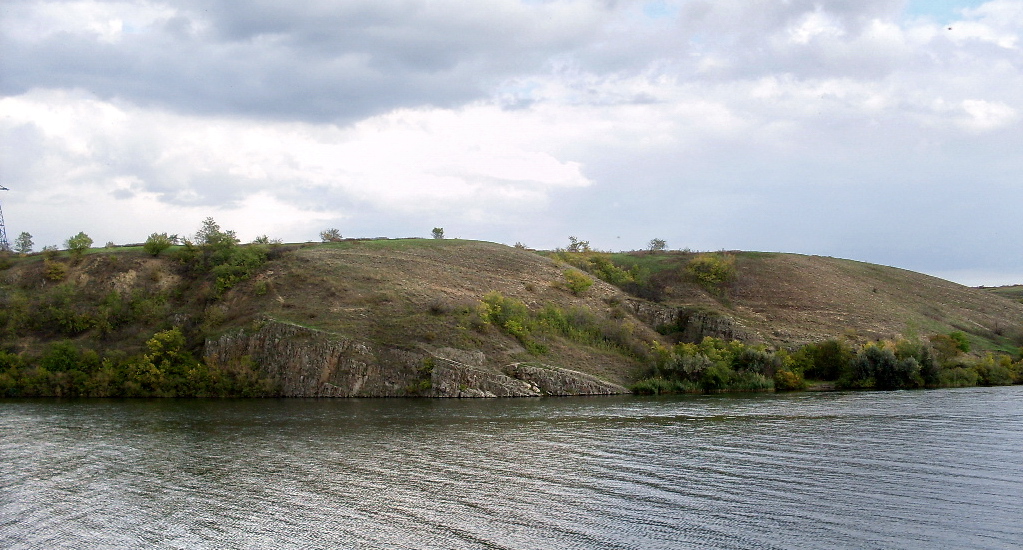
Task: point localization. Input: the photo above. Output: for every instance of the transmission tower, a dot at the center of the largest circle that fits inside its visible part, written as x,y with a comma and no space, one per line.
4,245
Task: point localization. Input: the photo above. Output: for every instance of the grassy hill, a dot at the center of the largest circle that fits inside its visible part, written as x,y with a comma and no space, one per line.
793,299
440,317
1012,292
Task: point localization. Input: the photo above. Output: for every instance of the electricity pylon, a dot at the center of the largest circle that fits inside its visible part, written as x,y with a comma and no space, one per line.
4,245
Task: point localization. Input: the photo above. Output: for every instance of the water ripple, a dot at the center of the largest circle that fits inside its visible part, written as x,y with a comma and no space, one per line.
842,470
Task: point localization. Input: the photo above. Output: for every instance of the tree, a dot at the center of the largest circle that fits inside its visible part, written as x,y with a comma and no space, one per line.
438,232
575,245
265,239
78,244
657,245
212,236
331,235
23,244
157,243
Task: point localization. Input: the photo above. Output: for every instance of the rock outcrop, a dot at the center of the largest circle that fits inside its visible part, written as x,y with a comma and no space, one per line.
305,362
690,324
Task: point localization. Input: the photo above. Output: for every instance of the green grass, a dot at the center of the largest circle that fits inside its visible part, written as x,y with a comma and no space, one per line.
1012,292
396,244
653,262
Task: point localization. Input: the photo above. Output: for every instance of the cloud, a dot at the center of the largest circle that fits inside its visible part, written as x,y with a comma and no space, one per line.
478,159
852,128
337,61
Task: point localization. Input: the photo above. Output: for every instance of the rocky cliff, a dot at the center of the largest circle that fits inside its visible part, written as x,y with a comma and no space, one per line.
305,362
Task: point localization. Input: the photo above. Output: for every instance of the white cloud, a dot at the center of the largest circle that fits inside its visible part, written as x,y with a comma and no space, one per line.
986,115
813,25
478,158
734,122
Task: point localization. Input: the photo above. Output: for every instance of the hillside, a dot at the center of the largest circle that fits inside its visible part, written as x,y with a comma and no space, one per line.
440,317
787,299
1012,292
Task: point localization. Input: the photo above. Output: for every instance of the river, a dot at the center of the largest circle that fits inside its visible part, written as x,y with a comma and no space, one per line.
912,469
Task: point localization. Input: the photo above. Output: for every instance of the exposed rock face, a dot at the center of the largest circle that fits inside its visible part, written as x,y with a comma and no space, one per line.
308,363
690,324
557,381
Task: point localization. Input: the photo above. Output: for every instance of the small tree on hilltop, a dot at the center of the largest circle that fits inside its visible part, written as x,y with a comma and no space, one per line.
78,244
157,243
23,244
331,235
575,245
438,232
265,239
216,246
211,235
657,245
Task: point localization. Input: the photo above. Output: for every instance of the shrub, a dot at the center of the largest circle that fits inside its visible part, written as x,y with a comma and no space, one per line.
712,270
994,372
331,235
54,270
239,266
962,344
657,245
577,282
575,245
157,243
750,381
878,367
826,360
78,244
757,361
958,377
215,245
715,378
947,347
656,386
786,380
438,232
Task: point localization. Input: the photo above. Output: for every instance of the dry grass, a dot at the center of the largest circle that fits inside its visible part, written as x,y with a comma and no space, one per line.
791,298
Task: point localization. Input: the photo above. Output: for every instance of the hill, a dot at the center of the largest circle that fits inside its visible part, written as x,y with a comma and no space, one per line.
435,318
786,299
1012,292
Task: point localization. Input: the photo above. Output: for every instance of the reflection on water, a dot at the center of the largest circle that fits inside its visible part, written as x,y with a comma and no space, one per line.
843,470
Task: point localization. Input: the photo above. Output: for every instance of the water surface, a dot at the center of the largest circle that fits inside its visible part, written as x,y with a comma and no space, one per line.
919,469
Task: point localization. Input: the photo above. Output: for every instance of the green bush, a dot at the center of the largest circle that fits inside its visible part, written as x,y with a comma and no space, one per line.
750,382
825,360
657,386
785,380
716,378
577,282
958,377
54,270
331,235
712,271
877,367
78,244
157,243
993,371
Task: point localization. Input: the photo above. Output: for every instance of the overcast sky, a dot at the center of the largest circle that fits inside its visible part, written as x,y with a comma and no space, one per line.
887,131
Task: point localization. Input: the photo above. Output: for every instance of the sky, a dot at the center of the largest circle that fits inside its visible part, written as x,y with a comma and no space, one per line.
886,131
